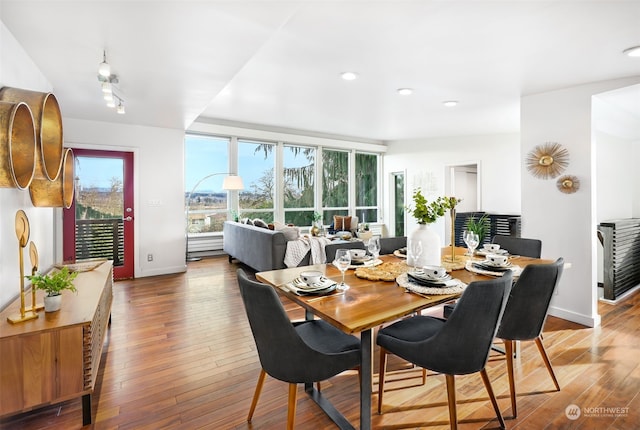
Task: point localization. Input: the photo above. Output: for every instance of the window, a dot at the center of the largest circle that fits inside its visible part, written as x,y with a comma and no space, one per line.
206,164
299,184
256,163
335,184
366,187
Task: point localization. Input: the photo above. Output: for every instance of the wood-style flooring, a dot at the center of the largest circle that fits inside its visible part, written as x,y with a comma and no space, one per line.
180,355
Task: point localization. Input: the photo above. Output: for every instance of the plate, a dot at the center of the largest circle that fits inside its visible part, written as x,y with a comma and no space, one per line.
491,268
441,283
369,263
485,252
489,263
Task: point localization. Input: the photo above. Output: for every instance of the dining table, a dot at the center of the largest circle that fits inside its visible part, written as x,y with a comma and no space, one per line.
364,306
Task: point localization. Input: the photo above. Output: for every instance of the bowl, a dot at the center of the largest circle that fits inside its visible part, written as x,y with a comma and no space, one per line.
311,277
434,271
497,259
358,254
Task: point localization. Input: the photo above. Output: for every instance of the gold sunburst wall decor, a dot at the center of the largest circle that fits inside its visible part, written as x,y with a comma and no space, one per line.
547,160
568,184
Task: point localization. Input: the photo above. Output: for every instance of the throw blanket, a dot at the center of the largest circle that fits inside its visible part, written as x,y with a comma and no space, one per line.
297,249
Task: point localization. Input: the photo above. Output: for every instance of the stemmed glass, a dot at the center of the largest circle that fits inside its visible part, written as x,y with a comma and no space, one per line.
374,247
342,261
414,249
472,241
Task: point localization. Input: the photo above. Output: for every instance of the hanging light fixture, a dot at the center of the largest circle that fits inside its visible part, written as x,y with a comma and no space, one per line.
107,84
104,69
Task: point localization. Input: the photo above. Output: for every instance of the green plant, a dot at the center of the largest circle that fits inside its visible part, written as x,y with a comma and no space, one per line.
53,284
427,213
480,226
317,216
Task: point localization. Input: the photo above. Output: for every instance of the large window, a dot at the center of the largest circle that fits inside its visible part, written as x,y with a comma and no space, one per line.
206,163
282,182
367,187
299,184
256,163
335,184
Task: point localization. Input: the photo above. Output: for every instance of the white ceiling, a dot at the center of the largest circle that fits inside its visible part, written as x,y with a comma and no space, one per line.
277,63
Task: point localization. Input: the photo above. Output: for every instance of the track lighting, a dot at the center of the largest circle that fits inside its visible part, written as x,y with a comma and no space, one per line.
107,84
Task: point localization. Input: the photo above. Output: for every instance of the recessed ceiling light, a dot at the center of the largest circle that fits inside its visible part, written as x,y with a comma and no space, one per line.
450,103
632,52
349,76
405,91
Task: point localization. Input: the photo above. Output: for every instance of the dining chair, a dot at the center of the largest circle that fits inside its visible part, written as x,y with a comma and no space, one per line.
525,315
456,346
390,244
330,249
516,246
519,245
304,352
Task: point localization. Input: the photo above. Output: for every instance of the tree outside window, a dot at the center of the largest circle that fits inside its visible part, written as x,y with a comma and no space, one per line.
366,187
256,163
299,184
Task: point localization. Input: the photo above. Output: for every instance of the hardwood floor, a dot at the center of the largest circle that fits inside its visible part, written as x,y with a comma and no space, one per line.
180,355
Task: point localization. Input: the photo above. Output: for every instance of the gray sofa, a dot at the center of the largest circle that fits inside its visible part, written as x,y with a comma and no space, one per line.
257,247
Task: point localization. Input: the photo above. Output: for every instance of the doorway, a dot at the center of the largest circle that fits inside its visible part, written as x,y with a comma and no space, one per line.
99,223
461,181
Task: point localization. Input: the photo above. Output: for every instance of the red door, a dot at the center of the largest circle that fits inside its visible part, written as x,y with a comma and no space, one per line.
99,223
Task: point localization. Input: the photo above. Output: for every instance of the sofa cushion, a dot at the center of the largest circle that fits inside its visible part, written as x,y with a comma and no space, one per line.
260,223
341,223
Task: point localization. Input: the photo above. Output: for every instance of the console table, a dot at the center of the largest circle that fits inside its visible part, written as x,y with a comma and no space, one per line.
56,356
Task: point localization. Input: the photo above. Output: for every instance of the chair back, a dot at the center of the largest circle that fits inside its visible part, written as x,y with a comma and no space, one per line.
528,303
330,249
463,343
390,244
519,245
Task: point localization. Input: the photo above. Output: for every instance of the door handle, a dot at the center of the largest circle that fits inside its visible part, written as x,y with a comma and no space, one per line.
128,218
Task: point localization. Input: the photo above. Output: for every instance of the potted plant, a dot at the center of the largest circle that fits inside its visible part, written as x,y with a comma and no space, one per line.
479,226
424,245
53,284
316,225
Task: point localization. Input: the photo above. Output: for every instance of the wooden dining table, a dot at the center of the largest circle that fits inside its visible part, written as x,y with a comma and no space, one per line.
364,306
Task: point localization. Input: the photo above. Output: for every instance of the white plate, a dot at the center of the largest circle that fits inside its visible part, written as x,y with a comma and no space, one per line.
492,264
369,263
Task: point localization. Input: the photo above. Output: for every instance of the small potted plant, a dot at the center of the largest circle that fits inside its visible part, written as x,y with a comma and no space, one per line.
478,226
53,284
316,225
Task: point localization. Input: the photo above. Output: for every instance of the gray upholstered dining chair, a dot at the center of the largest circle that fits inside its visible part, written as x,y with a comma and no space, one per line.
330,249
457,346
525,315
390,244
516,246
304,352
519,245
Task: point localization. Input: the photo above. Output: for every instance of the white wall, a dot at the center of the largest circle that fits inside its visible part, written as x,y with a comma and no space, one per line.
18,70
425,161
566,223
158,187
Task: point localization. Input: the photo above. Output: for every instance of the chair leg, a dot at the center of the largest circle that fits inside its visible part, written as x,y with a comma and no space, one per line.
256,394
451,397
547,363
508,346
494,402
291,415
381,372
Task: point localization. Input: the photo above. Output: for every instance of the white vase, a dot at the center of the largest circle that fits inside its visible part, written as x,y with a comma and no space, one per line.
431,247
52,303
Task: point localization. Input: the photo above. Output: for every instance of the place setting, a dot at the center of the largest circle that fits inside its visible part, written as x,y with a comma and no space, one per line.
311,283
491,248
432,280
493,265
360,258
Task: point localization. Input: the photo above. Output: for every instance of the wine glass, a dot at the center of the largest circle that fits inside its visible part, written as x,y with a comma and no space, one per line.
414,249
472,241
342,261
374,247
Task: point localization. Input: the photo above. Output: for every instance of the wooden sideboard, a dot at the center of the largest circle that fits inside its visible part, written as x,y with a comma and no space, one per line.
56,357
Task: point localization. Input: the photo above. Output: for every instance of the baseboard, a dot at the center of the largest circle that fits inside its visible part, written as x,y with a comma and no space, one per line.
622,297
586,320
161,271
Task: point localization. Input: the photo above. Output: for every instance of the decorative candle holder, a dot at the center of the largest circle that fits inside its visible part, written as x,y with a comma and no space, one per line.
22,233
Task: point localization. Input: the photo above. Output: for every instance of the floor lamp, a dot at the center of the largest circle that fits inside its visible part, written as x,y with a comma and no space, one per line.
231,182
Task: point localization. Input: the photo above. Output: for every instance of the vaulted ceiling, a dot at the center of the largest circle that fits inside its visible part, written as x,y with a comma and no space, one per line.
278,63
